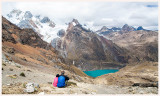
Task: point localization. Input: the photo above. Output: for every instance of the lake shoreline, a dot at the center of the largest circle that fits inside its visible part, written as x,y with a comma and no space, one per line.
96,73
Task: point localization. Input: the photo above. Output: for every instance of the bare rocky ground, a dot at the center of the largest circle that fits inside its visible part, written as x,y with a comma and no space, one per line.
13,83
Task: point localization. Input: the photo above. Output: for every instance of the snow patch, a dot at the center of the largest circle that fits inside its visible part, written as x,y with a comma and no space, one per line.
74,24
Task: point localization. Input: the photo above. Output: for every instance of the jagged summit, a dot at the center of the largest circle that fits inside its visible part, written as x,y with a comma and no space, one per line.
28,14
61,33
45,20
74,24
126,27
104,28
75,21
116,28
14,12
140,28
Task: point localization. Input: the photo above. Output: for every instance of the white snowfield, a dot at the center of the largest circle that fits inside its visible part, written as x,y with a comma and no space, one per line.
46,31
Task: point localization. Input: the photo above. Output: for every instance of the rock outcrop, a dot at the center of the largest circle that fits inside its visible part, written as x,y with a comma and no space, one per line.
127,28
140,28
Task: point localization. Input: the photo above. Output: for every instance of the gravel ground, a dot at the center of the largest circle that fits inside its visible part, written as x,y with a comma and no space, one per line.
15,85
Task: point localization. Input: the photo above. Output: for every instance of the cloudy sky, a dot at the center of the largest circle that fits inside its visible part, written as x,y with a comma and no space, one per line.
94,14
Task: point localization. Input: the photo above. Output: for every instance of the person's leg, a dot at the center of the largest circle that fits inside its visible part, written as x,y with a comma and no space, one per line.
66,83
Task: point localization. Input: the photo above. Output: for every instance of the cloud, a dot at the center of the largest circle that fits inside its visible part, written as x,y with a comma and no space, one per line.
96,14
152,5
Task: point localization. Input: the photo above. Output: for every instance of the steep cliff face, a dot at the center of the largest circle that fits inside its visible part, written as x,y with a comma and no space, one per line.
89,51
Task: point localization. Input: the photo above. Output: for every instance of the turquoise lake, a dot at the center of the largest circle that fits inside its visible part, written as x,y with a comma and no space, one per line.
96,73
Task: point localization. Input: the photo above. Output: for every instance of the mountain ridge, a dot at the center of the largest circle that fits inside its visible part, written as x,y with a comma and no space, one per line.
79,45
124,29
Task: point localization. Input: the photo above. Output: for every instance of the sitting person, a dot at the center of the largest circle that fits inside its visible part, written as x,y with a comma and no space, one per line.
62,80
55,80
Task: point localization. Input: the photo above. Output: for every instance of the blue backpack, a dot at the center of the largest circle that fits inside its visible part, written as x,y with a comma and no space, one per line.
61,81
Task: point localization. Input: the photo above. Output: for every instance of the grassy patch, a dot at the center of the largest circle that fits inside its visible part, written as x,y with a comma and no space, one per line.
71,84
13,76
22,74
3,64
18,66
24,85
10,69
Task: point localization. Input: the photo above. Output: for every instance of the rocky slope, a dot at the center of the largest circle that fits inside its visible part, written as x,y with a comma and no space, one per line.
142,44
13,83
25,47
89,51
143,74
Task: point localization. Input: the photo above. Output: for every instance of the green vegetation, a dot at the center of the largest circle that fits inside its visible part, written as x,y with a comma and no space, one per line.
13,76
18,66
71,84
22,74
10,69
3,64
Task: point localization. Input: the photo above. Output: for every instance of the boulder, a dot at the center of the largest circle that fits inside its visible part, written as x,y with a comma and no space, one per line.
31,87
154,84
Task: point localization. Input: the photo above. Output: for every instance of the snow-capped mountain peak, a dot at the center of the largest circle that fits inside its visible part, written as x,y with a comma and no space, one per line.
28,14
44,26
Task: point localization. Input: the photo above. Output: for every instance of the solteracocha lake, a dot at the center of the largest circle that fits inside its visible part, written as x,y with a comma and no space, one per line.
96,73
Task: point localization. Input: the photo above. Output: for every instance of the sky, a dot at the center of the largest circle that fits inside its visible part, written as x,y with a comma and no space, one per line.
93,14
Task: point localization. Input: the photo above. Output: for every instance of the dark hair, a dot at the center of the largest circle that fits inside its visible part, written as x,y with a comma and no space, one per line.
62,72
57,75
